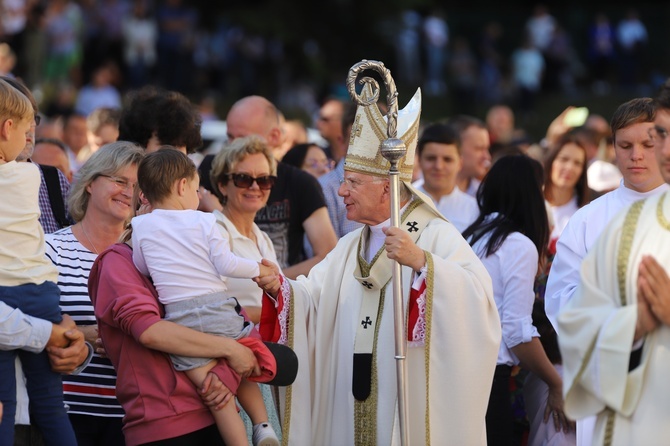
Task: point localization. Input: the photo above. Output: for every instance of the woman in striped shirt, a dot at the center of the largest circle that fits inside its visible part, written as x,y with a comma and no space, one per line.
100,204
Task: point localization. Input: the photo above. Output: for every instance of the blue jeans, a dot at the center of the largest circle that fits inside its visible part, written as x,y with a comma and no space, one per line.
45,387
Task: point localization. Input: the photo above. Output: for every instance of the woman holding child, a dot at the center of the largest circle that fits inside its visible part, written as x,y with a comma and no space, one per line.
162,406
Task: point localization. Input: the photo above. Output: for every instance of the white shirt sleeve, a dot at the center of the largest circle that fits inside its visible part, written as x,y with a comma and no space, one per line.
21,331
138,257
518,268
564,274
226,263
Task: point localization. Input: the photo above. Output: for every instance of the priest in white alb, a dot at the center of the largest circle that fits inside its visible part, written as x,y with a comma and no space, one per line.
614,332
631,124
339,319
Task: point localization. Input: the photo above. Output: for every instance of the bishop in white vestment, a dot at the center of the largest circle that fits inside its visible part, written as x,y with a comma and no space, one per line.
339,319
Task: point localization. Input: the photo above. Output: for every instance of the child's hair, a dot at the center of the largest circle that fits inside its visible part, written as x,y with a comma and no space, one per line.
14,104
159,170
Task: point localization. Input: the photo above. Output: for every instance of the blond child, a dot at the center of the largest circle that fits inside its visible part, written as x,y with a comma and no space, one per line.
27,277
188,259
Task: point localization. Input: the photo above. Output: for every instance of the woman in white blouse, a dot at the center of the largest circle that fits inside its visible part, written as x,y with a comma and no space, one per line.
510,236
242,176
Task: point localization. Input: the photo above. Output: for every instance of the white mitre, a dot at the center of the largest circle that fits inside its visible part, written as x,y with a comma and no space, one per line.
370,129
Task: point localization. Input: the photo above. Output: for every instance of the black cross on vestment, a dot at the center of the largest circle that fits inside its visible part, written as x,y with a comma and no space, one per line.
412,226
366,284
366,322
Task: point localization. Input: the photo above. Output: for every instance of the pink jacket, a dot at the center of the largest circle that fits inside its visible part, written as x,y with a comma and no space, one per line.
159,402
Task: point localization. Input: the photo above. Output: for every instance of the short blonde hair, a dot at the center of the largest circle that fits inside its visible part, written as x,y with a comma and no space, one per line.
225,161
14,104
108,160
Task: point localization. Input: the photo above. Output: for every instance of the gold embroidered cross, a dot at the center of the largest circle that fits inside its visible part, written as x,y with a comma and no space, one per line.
356,130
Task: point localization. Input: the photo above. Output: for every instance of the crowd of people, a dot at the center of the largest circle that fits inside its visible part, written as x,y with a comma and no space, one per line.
86,53
152,292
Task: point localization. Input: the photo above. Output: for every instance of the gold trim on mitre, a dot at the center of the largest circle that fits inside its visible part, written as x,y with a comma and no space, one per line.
370,130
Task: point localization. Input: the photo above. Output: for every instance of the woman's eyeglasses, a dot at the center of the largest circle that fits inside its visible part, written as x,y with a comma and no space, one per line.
120,182
244,181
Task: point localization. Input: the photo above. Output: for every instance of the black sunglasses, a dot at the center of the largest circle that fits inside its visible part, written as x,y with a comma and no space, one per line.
244,181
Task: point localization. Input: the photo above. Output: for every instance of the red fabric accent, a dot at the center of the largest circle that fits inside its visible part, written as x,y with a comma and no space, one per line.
269,323
266,359
72,388
413,309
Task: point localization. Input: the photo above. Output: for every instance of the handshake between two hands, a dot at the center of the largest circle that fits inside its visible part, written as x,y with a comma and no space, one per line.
268,279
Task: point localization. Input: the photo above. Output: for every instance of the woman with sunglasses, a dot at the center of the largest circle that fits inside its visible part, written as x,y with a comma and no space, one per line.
242,176
100,204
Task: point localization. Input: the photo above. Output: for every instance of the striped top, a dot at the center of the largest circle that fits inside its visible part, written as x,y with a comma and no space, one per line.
93,391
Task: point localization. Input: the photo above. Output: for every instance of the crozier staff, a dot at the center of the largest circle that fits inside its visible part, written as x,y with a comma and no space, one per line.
339,319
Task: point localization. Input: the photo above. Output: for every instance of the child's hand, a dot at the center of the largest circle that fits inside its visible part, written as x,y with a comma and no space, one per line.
269,283
90,333
265,271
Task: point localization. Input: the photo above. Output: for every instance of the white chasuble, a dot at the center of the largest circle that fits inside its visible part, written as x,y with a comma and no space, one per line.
597,328
320,315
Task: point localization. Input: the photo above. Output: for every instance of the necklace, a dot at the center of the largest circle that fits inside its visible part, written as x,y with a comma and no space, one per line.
83,229
659,213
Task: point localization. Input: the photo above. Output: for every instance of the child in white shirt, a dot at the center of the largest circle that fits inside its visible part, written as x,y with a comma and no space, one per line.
188,259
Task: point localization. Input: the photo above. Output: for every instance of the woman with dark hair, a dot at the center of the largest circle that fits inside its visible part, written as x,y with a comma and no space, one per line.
510,236
565,191
309,157
565,184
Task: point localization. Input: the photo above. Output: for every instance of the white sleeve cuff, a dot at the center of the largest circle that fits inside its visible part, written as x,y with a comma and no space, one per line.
420,278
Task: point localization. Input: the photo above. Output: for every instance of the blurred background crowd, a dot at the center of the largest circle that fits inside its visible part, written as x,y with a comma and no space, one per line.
506,79
82,54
